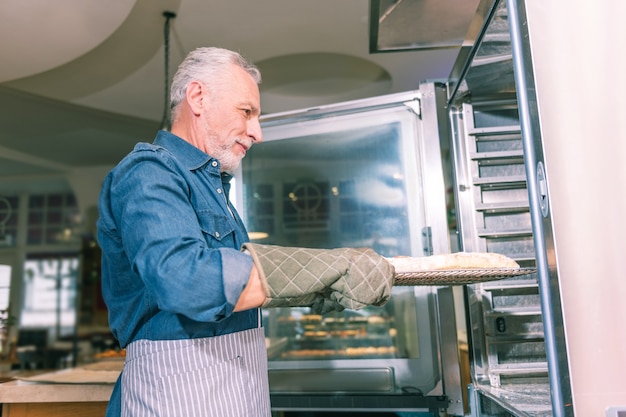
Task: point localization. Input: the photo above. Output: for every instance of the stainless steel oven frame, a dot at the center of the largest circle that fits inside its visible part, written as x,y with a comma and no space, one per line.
431,379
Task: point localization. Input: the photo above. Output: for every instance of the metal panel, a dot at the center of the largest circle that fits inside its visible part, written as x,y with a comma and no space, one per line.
512,322
548,276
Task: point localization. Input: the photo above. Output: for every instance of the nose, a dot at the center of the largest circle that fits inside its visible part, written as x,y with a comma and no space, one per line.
254,130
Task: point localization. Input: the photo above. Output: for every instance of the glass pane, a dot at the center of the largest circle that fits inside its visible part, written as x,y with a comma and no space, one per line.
70,200
51,219
336,188
36,201
54,217
55,200
349,183
55,234
5,276
4,298
35,218
5,286
8,220
35,236
50,293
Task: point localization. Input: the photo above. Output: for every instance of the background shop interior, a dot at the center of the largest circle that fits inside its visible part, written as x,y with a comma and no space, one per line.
415,101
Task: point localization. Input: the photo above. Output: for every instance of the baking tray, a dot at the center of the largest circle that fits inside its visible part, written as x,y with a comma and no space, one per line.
458,276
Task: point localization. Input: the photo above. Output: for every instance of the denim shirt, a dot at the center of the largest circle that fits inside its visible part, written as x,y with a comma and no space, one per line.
171,261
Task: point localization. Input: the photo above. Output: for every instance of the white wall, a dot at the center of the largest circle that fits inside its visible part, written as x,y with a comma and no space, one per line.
578,52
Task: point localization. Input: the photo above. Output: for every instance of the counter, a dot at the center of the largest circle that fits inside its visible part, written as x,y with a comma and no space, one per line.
80,392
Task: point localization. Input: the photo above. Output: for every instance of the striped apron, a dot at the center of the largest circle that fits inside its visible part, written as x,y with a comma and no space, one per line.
222,376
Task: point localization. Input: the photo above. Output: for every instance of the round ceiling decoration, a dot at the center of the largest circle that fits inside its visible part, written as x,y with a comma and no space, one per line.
63,31
319,74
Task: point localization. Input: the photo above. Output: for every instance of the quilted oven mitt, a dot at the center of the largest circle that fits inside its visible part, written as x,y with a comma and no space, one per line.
325,279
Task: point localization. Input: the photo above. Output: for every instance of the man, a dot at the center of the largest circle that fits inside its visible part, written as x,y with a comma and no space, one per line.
180,279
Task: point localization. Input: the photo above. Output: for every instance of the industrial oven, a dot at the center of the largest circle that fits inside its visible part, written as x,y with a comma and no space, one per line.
366,173
444,168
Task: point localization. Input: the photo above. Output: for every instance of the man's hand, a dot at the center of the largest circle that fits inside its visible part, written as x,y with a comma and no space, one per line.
253,295
343,277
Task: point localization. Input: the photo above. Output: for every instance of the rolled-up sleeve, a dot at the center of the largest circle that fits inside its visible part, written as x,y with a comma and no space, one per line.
184,270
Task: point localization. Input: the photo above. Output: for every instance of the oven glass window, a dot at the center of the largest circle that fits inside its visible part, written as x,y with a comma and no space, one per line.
350,182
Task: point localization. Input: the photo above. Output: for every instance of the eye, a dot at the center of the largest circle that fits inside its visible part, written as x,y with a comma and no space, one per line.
247,112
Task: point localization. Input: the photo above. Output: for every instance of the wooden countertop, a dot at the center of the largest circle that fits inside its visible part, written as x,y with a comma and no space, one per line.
89,383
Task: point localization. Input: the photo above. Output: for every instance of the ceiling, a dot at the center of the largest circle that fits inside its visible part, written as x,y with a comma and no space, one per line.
81,81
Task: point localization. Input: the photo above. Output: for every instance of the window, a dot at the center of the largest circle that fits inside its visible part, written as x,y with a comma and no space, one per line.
52,263
5,316
52,218
8,220
50,293
5,286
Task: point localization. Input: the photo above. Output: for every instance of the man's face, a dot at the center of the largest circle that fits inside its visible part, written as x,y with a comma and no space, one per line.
231,122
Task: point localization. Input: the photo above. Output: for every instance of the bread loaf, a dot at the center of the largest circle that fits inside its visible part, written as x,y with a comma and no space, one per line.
452,261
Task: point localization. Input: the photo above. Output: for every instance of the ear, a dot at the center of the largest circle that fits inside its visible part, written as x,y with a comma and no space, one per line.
194,96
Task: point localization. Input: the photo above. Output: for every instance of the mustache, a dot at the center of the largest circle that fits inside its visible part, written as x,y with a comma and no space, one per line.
245,142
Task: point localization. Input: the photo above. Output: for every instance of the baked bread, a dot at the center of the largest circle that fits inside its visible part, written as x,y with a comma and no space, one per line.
452,261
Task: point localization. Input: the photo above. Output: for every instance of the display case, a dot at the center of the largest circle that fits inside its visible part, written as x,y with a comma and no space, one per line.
375,350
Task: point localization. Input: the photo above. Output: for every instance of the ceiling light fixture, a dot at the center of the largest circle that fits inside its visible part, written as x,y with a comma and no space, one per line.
258,235
411,25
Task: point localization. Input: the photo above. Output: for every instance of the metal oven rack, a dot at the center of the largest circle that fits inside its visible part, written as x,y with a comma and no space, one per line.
507,338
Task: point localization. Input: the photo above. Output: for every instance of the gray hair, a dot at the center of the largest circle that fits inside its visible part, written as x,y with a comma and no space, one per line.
206,65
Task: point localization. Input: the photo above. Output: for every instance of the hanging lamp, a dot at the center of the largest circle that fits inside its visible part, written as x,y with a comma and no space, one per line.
166,123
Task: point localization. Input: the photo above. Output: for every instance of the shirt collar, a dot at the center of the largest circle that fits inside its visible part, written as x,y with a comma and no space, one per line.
226,183
188,154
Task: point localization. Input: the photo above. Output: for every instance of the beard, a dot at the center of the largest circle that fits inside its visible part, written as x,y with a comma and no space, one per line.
221,148
229,161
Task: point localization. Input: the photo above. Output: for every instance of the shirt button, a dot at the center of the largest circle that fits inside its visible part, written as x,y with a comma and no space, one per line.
214,163
219,191
217,234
